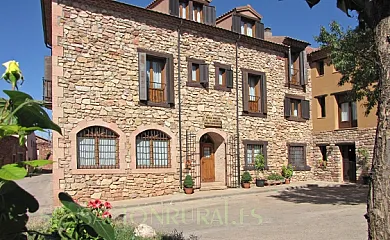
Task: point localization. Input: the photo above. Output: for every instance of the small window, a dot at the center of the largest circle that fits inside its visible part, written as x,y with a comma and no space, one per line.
324,153
195,75
255,92
198,73
13,158
97,148
321,107
197,13
184,9
223,77
296,108
153,150
296,69
247,27
252,150
347,112
21,157
297,156
320,68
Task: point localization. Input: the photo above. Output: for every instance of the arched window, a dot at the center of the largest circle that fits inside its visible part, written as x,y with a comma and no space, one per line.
153,149
97,148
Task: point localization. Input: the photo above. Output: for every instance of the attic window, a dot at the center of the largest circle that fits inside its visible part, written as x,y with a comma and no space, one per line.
247,27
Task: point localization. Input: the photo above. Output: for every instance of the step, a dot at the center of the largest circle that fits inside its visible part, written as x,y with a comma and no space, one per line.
213,186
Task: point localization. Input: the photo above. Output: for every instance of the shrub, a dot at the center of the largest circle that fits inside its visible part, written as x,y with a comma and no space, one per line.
188,182
287,171
275,177
259,164
246,177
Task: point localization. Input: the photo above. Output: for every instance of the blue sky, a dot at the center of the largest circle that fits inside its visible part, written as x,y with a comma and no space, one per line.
22,36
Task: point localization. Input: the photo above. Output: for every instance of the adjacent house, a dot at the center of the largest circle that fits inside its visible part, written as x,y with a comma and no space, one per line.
342,133
13,152
145,96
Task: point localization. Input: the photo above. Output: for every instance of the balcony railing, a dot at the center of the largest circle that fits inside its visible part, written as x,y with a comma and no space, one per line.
157,92
47,93
253,104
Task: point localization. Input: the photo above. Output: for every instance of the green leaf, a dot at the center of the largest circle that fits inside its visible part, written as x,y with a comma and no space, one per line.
312,3
38,163
31,114
12,172
102,228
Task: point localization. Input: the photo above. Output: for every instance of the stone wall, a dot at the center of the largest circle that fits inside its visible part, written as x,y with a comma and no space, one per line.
362,138
11,151
44,151
99,62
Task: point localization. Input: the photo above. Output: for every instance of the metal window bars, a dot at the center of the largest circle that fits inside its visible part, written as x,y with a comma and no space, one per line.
153,150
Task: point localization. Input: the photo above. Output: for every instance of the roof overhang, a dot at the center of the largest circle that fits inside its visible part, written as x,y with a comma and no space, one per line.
46,21
238,10
322,53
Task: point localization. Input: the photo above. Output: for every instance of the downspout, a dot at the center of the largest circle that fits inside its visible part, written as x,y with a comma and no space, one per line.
179,96
289,66
237,116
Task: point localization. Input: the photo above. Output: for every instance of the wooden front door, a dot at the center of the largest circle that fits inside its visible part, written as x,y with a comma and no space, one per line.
207,162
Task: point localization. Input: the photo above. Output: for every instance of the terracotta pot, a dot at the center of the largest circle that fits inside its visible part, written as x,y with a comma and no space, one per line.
189,190
246,185
287,181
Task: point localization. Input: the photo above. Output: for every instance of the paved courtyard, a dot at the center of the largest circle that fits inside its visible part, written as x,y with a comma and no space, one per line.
328,213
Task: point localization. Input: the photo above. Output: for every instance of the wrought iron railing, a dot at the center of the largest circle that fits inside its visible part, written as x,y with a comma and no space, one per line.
295,76
157,92
253,104
47,92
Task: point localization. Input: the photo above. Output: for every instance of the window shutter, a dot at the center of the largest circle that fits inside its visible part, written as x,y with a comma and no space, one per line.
302,68
289,63
245,91
48,71
259,30
204,74
263,92
265,153
229,78
305,104
245,156
287,107
236,24
209,15
191,10
174,7
143,85
170,81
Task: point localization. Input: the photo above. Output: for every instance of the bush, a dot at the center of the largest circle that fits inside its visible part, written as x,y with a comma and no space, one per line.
287,171
246,177
275,177
259,164
188,182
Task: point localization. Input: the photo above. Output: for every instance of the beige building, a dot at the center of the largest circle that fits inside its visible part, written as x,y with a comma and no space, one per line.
341,130
145,96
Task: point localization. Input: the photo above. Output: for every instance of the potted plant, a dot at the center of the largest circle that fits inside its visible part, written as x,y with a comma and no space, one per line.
275,179
259,167
287,173
188,185
246,179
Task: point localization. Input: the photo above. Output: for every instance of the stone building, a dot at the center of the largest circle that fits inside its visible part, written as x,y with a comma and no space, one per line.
12,152
145,96
343,135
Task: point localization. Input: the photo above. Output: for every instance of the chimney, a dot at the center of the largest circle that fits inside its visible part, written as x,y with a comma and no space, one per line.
267,32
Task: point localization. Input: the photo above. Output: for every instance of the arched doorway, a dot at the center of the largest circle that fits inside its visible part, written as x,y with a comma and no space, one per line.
207,159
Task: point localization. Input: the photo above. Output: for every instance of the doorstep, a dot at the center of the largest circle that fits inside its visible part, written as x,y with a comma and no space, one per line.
181,197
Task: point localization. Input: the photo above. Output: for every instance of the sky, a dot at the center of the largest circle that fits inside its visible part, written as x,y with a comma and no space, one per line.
22,34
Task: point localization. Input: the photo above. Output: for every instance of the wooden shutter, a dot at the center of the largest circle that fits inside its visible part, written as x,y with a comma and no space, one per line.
263,92
174,7
245,91
170,89
302,68
209,15
236,24
48,68
287,107
204,74
305,105
289,63
143,85
259,30
191,10
229,78
265,145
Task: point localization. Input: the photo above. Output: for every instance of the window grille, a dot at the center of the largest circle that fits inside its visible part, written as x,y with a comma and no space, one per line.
153,150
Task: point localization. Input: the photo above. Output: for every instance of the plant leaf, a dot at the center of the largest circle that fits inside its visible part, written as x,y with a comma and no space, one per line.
312,3
31,114
12,172
38,163
104,230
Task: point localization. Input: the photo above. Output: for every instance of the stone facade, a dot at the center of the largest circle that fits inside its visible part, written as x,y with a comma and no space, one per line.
95,80
11,151
44,151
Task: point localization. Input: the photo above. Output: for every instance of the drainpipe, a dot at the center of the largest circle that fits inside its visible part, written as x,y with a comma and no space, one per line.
237,115
289,66
179,96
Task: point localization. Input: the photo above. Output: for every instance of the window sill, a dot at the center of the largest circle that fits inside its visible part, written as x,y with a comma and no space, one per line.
196,85
154,170
307,168
222,88
347,128
321,117
252,168
97,171
296,119
153,104
254,114
299,87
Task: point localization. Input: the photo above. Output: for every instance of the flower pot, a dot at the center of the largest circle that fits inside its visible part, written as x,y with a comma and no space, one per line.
188,190
260,182
287,181
246,185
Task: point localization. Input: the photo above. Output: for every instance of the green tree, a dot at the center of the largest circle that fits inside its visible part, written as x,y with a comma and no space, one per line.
353,54
375,14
